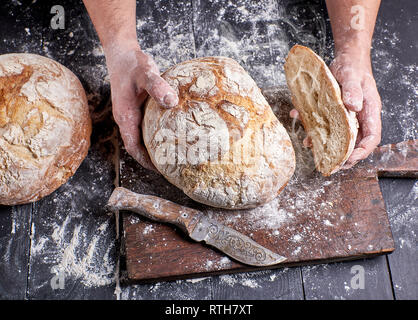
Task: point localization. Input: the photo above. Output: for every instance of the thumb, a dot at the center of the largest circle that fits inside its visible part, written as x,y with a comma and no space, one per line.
159,89
352,95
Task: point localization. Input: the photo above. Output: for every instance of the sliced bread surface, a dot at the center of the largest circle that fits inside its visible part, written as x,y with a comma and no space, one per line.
316,95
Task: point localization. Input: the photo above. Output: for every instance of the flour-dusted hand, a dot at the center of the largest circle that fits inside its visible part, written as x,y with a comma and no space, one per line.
359,93
133,73
352,23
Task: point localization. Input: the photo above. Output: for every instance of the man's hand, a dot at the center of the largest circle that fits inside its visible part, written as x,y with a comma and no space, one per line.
359,93
134,75
352,23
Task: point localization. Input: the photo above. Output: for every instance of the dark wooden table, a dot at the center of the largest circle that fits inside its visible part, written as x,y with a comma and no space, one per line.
67,247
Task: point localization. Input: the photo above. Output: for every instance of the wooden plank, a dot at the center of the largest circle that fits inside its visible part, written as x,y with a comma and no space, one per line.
73,238
166,33
20,31
247,31
14,251
395,68
338,281
281,284
18,25
402,203
72,235
192,289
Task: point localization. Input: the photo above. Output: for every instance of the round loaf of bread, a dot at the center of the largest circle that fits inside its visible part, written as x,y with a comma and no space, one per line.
222,144
45,127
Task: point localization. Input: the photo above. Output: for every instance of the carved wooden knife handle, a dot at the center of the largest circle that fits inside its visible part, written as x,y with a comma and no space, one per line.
154,208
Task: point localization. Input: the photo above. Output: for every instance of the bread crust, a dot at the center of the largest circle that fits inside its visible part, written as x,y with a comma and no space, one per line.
220,101
302,59
45,127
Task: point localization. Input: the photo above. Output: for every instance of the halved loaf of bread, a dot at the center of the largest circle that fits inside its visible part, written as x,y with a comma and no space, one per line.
316,95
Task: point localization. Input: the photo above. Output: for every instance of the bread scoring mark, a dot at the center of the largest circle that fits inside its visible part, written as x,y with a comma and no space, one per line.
192,137
55,133
239,113
29,120
205,85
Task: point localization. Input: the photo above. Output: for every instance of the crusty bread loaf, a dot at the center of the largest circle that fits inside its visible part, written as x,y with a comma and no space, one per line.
222,144
45,127
316,95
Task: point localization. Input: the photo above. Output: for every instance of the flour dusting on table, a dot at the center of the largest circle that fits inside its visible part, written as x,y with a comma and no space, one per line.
395,78
74,240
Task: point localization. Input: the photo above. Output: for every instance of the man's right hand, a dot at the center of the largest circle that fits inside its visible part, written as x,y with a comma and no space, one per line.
134,75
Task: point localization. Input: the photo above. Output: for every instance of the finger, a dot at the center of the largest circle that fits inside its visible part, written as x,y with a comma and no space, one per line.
352,94
370,125
132,141
357,155
365,147
359,137
294,114
160,90
148,78
307,142
138,152
351,90
369,118
128,117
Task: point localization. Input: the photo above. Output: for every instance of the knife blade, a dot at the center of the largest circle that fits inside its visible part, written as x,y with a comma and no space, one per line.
196,225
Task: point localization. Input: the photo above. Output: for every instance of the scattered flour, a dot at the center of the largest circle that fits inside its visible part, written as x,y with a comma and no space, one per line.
196,280
76,241
328,223
149,228
250,283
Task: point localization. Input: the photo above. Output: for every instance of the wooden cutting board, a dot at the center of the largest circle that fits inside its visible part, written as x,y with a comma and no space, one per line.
315,219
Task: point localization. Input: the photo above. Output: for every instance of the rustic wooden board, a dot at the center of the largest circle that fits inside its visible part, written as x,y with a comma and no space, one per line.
314,220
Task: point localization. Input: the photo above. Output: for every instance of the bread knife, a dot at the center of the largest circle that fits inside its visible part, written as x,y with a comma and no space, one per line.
196,225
